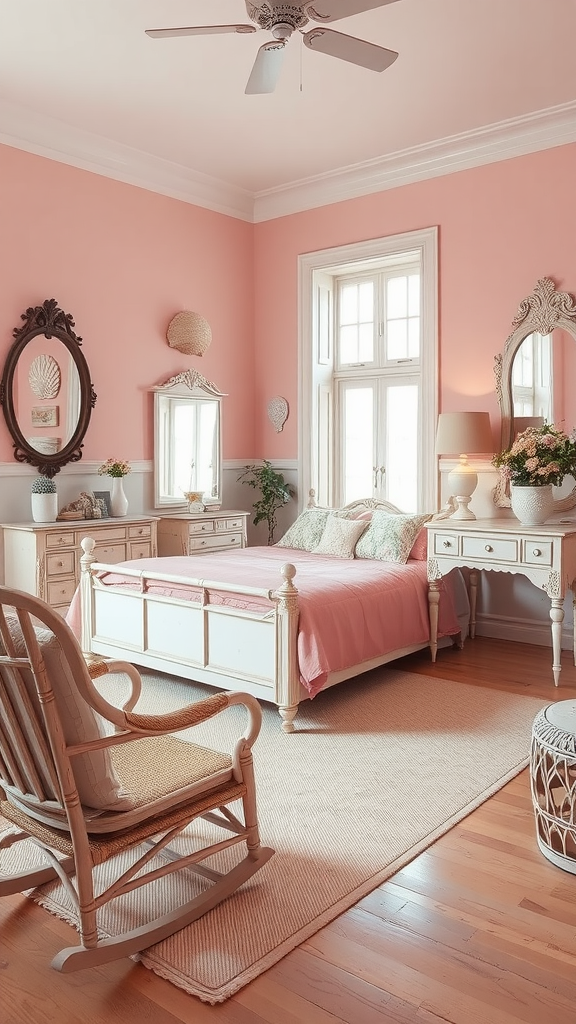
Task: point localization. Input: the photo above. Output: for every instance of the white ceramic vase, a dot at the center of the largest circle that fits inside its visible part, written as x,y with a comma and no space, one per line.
118,500
44,507
532,505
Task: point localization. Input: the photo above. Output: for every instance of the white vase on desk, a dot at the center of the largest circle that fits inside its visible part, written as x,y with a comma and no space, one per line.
532,505
118,499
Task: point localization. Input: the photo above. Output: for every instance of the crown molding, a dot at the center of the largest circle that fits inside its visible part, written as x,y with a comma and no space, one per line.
544,129
22,128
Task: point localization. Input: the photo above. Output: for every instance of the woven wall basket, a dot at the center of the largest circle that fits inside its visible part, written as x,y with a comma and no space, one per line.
189,333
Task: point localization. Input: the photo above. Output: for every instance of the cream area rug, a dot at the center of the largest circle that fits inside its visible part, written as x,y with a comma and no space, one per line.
379,768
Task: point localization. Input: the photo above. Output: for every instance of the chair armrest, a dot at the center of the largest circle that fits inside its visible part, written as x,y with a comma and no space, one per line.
193,714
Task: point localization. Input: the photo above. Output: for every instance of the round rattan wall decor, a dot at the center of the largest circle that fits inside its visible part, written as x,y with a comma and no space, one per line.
189,333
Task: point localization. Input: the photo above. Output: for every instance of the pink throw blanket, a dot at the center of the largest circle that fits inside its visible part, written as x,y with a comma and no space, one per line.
351,610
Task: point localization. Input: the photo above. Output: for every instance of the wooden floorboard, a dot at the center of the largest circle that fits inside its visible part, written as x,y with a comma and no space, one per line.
478,929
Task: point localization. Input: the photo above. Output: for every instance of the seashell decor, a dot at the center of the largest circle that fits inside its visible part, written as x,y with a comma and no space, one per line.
278,412
189,333
44,376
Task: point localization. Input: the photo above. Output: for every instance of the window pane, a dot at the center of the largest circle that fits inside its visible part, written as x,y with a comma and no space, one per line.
349,345
397,297
358,443
414,337
366,344
414,295
366,302
402,446
396,339
348,304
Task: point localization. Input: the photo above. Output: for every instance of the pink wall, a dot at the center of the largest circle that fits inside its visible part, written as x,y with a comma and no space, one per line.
501,228
123,261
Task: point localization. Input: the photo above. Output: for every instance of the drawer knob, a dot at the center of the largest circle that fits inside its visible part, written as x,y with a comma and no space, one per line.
447,543
536,552
488,548
60,564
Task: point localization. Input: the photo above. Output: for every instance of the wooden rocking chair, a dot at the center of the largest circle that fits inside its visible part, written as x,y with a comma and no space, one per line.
82,796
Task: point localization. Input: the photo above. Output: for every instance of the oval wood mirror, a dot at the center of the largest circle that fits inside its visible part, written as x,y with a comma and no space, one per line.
46,392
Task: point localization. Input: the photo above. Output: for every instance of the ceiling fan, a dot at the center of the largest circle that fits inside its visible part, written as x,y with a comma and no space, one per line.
284,19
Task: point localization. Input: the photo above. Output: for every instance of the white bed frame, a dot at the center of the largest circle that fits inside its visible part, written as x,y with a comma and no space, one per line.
226,647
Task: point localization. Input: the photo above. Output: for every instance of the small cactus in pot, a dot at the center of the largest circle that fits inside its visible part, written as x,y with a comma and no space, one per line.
44,500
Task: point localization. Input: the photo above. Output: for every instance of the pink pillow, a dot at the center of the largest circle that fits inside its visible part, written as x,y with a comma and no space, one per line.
366,516
420,546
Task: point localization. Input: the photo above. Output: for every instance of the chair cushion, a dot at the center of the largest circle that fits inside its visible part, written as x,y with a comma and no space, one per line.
97,783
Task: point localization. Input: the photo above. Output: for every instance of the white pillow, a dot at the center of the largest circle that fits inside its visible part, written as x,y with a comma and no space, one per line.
390,538
97,783
306,532
340,536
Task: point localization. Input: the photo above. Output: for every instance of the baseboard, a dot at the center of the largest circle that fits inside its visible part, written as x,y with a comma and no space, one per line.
524,631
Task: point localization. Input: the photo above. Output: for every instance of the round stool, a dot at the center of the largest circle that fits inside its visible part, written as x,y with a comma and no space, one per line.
553,782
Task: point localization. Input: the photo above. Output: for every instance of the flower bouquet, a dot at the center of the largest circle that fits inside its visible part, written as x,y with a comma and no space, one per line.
114,467
539,456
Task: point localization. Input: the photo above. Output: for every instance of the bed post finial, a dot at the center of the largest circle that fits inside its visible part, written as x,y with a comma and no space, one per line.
311,498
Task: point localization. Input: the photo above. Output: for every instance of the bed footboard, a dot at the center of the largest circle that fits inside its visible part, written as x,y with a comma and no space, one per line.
249,649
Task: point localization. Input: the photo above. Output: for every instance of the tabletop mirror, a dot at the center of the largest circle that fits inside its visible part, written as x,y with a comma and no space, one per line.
187,441
534,372
46,393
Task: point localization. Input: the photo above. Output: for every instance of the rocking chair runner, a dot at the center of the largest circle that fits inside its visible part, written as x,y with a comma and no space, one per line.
83,796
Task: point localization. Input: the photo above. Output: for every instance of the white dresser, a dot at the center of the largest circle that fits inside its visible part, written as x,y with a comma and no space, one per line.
195,532
546,555
44,558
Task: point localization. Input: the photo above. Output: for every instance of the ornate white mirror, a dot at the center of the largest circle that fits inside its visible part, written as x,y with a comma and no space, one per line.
187,441
534,372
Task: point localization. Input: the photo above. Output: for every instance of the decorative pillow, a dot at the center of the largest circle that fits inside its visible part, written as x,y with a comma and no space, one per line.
390,538
419,548
340,536
306,532
97,783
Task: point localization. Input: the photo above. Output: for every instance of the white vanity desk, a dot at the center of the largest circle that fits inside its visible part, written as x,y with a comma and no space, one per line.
546,555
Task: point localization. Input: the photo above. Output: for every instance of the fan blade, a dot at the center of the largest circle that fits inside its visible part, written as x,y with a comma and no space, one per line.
198,30
266,69
357,51
333,10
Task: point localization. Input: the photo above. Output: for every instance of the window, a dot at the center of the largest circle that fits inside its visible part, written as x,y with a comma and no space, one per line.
532,377
369,378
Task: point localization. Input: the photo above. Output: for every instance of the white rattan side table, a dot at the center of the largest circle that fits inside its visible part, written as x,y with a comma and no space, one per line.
553,782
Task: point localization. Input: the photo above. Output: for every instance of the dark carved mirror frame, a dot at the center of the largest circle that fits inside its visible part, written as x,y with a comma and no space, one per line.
52,322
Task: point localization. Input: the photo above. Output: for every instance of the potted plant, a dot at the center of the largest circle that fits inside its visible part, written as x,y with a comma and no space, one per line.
274,490
44,500
540,457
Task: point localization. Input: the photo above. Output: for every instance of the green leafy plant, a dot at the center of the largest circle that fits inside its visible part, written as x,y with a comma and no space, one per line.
43,485
540,455
274,490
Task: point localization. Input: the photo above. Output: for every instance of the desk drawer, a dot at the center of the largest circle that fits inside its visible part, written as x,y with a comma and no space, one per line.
446,544
491,549
226,540
537,552
201,526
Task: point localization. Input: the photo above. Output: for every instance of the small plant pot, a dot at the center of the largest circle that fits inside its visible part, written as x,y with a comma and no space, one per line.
44,507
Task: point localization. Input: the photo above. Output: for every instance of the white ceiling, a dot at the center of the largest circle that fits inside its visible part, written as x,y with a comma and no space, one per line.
81,82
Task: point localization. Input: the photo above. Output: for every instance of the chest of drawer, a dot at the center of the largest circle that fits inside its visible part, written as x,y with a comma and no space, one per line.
215,542
491,549
60,563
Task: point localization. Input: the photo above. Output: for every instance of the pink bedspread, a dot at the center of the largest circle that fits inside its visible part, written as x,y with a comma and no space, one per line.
351,610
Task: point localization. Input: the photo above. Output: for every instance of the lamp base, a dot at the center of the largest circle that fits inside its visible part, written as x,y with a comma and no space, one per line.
462,511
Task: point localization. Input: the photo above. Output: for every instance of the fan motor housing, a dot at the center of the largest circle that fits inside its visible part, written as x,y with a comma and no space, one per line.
280,19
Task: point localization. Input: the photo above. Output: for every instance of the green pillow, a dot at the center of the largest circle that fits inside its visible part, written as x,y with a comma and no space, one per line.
390,538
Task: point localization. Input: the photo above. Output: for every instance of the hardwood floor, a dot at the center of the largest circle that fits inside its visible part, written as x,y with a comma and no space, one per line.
478,929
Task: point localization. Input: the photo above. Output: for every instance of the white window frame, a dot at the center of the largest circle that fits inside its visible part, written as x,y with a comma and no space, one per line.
343,259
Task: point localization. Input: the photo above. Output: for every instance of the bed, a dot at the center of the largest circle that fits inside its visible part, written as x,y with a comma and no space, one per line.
280,622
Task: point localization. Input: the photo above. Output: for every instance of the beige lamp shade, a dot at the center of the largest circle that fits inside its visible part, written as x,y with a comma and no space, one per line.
463,434
189,333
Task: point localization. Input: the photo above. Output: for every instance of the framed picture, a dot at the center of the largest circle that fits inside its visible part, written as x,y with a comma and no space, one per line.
105,497
44,415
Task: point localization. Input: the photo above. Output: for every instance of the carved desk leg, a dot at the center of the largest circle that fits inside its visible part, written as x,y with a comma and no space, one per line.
473,594
433,599
557,616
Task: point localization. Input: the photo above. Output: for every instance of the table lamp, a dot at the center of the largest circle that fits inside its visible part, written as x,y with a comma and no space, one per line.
463,434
